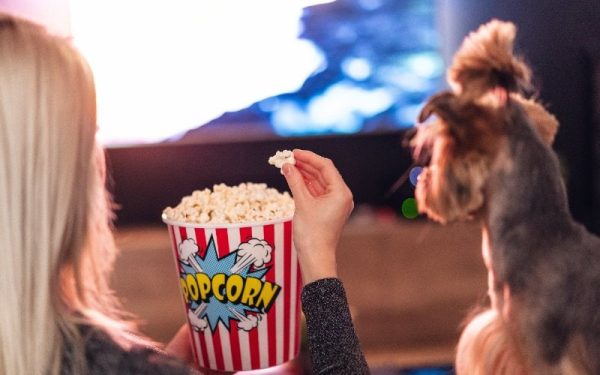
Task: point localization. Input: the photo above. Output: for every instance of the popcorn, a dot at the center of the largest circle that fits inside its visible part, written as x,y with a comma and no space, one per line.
282,157
246,203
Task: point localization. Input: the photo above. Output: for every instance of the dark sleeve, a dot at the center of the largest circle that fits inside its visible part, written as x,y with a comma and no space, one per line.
104,356
332,341
151,362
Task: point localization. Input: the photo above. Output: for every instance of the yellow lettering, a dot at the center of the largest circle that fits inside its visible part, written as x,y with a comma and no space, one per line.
184,290
267,295
192,287
218,283
235,287
251,290
203,286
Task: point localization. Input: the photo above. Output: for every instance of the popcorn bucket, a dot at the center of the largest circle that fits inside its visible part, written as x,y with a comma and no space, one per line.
241,288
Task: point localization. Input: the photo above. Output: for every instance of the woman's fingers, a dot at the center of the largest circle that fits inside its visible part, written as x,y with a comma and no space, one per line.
295,181
313,183
311,173
315,188
320,168
314,175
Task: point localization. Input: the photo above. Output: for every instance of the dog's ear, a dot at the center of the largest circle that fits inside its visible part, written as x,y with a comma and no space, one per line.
442,105
469,124
452,112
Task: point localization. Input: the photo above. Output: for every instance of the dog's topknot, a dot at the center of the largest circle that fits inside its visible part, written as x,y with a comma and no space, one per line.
485,61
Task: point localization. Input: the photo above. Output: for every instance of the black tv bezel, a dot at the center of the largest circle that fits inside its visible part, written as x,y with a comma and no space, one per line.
145,179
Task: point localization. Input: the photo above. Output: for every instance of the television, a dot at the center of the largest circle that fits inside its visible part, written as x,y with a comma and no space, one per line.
198,93
371,65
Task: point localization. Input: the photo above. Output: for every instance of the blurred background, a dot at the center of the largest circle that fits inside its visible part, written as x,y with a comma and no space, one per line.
195,93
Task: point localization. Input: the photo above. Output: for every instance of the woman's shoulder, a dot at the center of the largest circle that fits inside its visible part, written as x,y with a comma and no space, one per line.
105,356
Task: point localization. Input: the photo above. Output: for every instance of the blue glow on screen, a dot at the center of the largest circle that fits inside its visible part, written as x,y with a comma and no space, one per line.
380,60
267,67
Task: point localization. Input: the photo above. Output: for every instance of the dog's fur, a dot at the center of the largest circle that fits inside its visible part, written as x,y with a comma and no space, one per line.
491,159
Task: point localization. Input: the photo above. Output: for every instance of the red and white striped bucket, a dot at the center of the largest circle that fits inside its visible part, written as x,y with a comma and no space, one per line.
241,288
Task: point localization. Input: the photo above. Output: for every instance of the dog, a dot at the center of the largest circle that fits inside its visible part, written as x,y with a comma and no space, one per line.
486,149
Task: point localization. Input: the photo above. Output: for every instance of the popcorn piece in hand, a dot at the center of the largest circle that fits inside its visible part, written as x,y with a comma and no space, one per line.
282,157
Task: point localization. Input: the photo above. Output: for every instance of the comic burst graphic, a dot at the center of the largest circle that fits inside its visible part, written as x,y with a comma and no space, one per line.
247,265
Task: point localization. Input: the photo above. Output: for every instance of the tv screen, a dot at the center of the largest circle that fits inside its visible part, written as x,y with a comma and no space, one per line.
243,70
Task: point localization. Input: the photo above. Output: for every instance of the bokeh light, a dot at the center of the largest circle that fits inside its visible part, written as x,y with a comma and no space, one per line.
414,175
293,68
161,70
409,208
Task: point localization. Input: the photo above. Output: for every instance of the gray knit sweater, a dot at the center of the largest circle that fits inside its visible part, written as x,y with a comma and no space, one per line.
332,340
104,356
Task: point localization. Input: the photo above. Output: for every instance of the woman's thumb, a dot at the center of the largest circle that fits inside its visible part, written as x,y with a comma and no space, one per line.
294,180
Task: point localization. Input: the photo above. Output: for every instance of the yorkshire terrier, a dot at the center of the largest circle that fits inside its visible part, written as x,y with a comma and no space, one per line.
487,156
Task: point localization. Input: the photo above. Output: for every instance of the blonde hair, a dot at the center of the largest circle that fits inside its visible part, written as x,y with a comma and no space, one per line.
486,348
56,241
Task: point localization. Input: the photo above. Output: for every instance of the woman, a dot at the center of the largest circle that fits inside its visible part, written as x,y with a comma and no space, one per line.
59,315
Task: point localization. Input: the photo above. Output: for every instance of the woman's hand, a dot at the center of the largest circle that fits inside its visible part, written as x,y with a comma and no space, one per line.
323,204
181,345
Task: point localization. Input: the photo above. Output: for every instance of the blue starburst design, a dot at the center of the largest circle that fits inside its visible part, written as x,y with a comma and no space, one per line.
211,265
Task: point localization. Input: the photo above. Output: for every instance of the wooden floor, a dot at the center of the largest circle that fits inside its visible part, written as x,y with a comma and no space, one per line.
409,283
